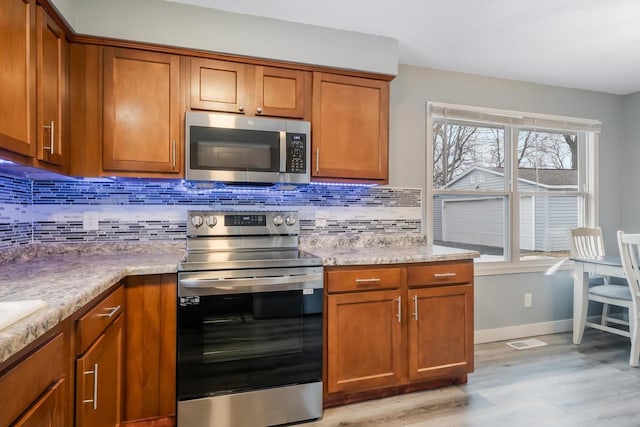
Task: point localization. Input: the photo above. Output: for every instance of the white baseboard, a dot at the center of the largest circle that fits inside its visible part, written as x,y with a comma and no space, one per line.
521,331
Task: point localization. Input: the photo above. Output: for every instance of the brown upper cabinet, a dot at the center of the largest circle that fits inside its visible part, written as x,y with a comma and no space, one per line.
18,77
142,113
51,90
33,84
253,90
350,129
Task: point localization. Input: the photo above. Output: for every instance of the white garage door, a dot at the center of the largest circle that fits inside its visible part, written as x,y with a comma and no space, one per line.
476,221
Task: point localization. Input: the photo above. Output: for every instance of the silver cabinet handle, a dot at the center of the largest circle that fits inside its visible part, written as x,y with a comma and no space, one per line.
399,315
443,275
259,110
113,311
415,307
241,108
317,159
95,386
173,153
52,136
370,280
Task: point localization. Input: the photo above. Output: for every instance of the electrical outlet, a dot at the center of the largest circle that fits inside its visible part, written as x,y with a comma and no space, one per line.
527,300
90,221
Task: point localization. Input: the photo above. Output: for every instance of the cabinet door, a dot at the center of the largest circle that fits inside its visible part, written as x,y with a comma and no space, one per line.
218,85
141,115
350,128
48,411
281,92
51,84
363,341
18,76
99,380
440,331
150,376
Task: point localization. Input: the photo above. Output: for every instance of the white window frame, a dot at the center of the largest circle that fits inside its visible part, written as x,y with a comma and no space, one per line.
588,134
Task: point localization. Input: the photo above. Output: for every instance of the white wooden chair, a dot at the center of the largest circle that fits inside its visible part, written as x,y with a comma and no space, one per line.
629,245
586,242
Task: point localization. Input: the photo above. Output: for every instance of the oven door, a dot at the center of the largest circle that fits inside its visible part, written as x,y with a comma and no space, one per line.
245,330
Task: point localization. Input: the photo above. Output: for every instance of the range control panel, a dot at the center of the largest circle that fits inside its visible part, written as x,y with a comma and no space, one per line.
216,223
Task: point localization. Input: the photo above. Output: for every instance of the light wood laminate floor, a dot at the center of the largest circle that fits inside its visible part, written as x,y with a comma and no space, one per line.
557,385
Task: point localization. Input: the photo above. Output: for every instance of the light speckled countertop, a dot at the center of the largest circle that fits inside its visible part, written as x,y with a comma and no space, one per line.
380,249
66,283
389,254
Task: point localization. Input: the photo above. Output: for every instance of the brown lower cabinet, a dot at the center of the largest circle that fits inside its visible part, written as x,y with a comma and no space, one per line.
99,343
100,366
33,392
150,350
398,328
99,379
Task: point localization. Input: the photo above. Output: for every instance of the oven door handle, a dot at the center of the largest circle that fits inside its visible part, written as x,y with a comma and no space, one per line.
253,284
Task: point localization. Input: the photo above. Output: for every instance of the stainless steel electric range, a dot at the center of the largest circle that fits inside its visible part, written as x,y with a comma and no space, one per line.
249,322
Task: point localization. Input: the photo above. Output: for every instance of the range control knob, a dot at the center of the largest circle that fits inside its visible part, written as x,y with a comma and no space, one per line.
196,221
211,221
278,220
290,220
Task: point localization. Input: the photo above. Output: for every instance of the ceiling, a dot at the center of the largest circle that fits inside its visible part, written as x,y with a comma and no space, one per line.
585,44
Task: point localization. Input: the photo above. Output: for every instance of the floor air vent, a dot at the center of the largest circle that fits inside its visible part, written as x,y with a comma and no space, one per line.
526,344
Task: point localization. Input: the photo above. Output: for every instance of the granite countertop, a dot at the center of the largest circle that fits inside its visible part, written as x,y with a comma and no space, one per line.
389,254
66,283
380,249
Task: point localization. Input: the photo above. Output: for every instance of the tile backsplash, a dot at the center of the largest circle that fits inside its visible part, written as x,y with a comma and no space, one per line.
150,210
15,211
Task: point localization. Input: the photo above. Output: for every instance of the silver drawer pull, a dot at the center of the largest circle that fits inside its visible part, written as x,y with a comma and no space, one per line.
415,307
399,315
113,311
370,280
443,275
95,386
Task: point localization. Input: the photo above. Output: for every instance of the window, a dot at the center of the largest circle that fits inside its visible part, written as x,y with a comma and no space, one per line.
509,184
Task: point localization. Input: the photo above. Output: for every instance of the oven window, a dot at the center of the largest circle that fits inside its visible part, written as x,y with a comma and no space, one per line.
242,342
234,149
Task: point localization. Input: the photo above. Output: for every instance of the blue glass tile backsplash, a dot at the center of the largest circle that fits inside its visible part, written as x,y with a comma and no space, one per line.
15,211
146,210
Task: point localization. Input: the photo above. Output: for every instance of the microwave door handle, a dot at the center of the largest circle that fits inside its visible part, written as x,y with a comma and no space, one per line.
283,152
234,283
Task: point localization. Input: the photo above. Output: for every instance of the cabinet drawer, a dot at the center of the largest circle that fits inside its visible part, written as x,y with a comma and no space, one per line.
89,326
364,279
20,387
440,273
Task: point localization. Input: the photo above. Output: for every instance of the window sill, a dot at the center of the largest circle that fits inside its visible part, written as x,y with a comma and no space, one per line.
499,268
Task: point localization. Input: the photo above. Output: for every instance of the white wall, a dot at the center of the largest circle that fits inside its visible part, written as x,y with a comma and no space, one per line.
499,299
161,22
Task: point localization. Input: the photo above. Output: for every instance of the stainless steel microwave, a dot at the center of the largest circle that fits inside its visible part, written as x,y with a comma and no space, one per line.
230,148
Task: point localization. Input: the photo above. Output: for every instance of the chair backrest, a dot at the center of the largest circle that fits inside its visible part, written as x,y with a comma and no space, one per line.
629,245
586,242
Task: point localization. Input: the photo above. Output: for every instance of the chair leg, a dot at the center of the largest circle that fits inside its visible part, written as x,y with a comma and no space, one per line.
605,314
635,337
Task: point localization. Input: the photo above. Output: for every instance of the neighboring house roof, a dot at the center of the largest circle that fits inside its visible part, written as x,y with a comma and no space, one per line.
547,178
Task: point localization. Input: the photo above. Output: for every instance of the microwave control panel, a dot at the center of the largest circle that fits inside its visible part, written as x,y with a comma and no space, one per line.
296,153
